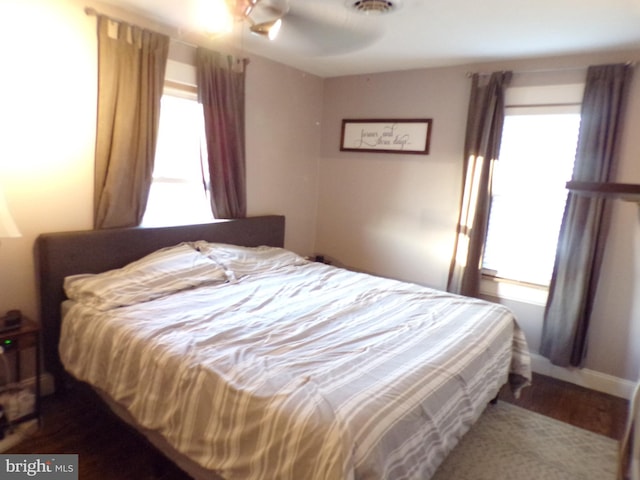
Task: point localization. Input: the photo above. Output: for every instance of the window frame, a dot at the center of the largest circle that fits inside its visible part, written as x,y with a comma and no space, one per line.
188,92
532,99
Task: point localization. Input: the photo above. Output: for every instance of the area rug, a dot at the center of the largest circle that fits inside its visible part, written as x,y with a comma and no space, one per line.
511,443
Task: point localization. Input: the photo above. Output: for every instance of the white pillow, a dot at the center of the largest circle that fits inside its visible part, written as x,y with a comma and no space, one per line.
240,261
160,273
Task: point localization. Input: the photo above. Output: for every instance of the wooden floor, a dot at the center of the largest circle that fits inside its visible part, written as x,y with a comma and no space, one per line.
109,451
584,408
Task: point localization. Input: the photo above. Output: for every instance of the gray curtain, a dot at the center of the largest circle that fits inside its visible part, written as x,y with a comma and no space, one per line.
586,219
131,69
221,91
485,120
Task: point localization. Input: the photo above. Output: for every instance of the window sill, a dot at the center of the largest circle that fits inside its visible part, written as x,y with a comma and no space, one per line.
515,291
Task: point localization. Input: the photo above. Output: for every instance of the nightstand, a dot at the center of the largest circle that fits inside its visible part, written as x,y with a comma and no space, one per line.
21,402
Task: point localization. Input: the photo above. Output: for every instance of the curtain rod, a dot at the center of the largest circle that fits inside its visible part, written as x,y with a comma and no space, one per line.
92,12
545,70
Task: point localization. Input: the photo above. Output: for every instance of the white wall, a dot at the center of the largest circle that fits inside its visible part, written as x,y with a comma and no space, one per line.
47,119
395,215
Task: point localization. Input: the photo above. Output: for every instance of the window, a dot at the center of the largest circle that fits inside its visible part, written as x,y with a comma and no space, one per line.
528,192
179,194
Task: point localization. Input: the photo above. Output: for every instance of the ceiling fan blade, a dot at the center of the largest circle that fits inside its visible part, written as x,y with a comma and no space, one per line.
267,10
318,27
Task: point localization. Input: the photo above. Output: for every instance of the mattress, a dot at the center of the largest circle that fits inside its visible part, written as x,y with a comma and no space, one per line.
301,371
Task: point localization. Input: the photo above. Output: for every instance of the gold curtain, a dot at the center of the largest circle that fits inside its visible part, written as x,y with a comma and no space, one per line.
131,69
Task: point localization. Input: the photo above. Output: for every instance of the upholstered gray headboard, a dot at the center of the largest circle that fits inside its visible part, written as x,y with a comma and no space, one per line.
66,253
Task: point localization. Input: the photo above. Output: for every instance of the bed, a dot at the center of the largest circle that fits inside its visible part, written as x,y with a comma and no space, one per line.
260,364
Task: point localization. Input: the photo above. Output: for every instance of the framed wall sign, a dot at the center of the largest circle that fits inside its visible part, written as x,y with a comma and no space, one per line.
390,136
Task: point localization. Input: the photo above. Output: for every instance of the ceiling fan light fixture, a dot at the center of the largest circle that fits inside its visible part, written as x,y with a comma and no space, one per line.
267,29
216,17
373,7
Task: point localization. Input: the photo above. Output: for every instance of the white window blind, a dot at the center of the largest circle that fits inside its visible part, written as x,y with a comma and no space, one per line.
178,195
536,160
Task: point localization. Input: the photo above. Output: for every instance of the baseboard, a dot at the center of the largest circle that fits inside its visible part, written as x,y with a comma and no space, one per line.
584,377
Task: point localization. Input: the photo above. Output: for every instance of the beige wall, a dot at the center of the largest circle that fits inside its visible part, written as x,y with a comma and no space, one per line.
47,119
393,214
284,110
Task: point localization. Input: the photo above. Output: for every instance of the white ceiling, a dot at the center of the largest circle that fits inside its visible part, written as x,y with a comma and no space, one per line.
328,38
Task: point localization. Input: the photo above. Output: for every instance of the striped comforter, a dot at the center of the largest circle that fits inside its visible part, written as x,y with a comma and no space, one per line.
302,372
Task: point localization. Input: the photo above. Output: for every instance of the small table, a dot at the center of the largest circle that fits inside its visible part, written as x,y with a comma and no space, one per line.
16,342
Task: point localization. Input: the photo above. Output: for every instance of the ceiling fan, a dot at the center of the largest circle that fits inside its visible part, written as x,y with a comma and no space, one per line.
318,27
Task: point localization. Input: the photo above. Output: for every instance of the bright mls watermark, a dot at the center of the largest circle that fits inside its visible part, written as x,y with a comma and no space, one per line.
52,467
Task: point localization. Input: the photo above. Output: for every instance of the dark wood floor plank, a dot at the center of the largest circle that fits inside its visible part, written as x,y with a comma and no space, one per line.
594,411
74,422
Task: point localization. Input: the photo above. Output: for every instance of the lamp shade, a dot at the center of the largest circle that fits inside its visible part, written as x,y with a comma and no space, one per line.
8,228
